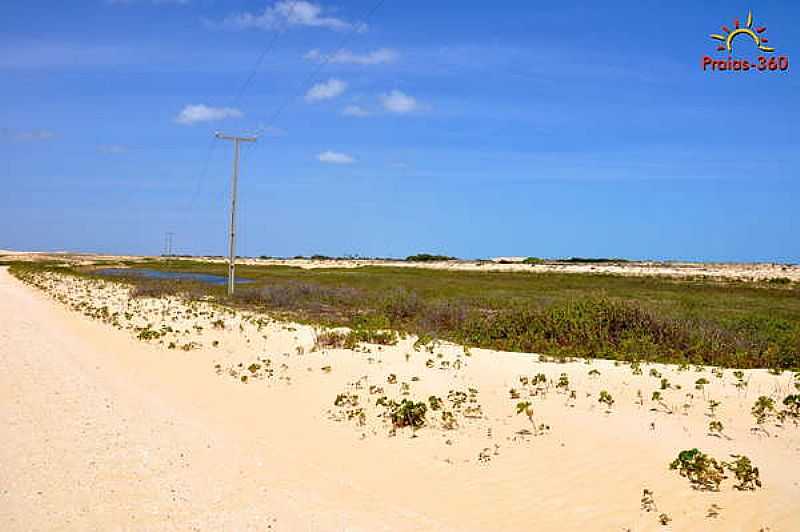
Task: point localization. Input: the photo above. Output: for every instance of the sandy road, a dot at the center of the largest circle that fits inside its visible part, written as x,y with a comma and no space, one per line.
86,446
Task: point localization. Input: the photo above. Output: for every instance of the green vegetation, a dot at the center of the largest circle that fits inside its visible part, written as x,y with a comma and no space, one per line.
706,473
703,471
648,501
606,398
746,475
406,413
647,319
763,409
427,257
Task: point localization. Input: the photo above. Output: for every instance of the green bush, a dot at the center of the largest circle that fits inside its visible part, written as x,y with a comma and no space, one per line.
746,475
407,413
703,471
427,257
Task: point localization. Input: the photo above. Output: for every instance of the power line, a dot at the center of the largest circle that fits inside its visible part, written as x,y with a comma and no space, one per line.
237,139
237,97
315,72
168,243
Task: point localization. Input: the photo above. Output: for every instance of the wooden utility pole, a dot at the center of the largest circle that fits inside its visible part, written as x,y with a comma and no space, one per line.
234,183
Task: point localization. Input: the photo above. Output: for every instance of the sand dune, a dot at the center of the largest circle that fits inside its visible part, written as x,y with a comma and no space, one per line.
157,414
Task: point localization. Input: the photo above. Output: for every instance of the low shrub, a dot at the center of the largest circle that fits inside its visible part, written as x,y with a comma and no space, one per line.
746,475
406,413
703,471
427,257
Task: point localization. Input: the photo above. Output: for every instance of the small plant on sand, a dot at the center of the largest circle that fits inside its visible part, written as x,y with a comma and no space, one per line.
346,399
700,383
664,519
703,471
409,414
792,402
435,403
659,399
746,475
713,511
712,407
539,378
606,399
594,373
715,428
665,385
656,397
563,382
636,367
406,413
218,324
763,410
525,407
655,373
740,383
648,502
449,421
348,403
792,410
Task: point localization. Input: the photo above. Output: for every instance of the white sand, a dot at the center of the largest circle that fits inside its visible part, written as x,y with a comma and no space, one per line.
680,270
104,431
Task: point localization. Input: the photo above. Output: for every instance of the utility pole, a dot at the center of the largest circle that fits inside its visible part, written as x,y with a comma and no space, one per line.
168,243
234,181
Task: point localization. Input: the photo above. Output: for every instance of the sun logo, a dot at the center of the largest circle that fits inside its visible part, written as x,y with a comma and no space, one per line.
754,33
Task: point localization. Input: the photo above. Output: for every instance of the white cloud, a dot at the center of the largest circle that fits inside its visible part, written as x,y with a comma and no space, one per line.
326,90
375,57
33,135
289,13
332,157
192,114
355,110
399,102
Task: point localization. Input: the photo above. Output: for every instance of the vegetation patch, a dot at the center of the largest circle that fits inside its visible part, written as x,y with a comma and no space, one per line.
691,321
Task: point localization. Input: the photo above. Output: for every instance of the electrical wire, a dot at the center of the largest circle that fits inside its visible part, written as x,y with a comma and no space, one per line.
234,102
315,72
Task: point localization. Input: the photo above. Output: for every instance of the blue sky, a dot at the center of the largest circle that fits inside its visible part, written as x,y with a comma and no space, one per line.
470,128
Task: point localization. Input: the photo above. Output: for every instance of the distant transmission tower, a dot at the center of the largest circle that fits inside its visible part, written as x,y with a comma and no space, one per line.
234,182
168,243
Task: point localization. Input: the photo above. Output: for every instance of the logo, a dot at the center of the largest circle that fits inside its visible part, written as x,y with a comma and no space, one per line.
747,37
